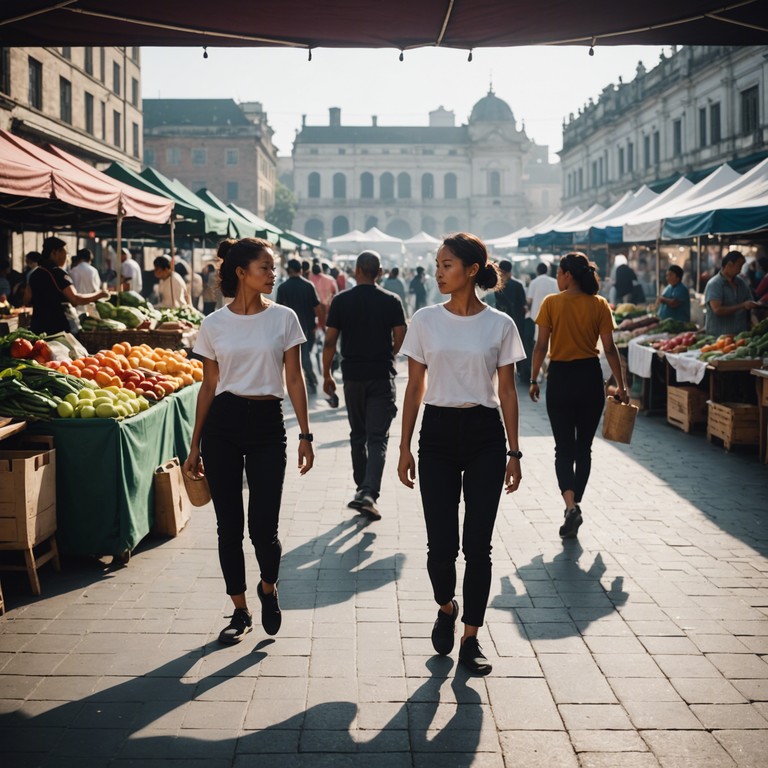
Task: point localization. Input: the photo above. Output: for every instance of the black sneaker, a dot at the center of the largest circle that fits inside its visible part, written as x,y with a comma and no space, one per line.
570,527
271,618
471,656
238,628
357,502
444,629
369,509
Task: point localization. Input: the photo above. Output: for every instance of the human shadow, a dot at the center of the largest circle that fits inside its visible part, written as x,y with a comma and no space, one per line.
333,564
572,597
120,723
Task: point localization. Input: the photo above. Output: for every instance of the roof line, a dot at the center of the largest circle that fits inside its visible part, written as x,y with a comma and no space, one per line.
192,30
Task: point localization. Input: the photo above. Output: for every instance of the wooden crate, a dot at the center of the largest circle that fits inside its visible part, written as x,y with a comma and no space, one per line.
686,407
733,423
27,498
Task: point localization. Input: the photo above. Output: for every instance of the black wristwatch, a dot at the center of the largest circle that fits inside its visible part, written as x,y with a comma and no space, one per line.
515,454
533,381
306,436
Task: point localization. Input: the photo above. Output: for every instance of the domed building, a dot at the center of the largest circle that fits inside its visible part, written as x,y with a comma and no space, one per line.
486,176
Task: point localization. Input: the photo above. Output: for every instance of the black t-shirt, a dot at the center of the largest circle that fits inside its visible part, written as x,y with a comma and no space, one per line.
365,316
511,300
300,295
47,285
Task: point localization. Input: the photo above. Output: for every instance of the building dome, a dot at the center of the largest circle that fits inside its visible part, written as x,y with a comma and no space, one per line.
491,109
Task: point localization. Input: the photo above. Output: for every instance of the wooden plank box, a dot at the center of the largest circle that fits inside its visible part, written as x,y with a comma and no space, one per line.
733,423
686,407
27,498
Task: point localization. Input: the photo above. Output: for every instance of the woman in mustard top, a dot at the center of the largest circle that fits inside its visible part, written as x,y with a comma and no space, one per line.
570,323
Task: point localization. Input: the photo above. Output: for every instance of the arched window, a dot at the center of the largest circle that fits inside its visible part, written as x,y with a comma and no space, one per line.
340,226
404,185
452,224
371,222
314,185
450,186
339,185
387,183
314,228
494,184
427,186
366,185
429,225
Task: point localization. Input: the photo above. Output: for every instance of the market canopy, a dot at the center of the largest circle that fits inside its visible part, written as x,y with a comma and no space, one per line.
264,229
239,225
372,24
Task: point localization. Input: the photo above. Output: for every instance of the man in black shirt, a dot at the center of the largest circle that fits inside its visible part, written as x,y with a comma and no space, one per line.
300,295
511,300
372,327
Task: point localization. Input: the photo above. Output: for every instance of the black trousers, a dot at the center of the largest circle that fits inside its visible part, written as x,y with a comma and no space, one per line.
370,409
461,448
241,433
575,399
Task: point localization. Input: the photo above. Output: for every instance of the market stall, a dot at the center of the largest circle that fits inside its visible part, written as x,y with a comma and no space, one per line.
105,472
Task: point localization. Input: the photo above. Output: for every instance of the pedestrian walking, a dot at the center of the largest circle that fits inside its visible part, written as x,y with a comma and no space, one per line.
511,300
247,347
418,289
371,323
470,350
570,324
300,295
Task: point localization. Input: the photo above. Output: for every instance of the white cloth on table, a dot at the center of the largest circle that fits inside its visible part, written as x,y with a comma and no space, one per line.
688,367
640,358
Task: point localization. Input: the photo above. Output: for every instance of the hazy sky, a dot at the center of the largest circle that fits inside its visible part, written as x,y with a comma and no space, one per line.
542,85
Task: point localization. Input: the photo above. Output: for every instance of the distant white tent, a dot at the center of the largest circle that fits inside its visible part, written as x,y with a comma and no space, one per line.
353,238
421,239
646,223
510,240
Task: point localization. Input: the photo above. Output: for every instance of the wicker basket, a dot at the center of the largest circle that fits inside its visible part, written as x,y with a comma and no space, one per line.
619,421
197,489
94,341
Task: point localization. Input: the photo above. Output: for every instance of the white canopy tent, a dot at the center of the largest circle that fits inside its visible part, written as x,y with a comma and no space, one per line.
617,214
643,230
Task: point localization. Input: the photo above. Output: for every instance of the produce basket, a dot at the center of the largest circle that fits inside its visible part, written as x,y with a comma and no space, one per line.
94,341
166,339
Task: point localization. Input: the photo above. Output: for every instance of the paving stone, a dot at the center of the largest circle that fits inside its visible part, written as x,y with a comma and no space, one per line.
536,749
575,679
664,715
594,716
739,665
523,704
725,716
687,748
707,690
618,760
747,748
597,741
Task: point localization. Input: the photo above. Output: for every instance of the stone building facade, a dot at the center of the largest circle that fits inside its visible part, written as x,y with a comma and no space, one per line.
486,176
699,107
214,143
85,100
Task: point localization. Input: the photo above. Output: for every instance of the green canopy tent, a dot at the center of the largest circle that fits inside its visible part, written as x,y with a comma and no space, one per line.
243,227
264,228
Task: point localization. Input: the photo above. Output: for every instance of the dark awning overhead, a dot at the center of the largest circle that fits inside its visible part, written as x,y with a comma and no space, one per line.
374,24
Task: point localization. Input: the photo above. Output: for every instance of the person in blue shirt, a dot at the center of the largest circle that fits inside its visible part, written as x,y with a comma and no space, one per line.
675,302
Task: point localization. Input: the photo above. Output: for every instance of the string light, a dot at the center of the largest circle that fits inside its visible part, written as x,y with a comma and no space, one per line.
401,57
469,58
205,51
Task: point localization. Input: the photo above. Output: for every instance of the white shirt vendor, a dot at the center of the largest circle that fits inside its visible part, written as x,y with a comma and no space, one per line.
85,278
131,272
172,291
267,336
462,354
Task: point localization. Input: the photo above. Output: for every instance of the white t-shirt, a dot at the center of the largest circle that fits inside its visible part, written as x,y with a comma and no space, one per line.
249,348
462,354
86,278
172,291
131,270
540,287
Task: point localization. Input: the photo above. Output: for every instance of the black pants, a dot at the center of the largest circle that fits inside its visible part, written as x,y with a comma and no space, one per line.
461,447
370,409
575,398
245,433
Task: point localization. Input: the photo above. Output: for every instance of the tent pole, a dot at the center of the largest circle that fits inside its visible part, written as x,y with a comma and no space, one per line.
698,265
119,248
658,265
173,261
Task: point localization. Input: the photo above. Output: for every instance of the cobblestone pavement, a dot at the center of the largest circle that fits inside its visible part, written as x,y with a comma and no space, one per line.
641,644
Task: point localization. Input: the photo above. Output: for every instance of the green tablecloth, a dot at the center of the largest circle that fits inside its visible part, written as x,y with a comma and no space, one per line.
104,473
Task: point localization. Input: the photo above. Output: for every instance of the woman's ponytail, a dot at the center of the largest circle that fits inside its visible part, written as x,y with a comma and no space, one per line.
584,272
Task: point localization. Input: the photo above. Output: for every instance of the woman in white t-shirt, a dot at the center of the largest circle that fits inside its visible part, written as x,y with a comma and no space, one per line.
246,348
461,363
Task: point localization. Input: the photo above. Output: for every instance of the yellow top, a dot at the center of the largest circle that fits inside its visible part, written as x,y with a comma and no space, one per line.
576,321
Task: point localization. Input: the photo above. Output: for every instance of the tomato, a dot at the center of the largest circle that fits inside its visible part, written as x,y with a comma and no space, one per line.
21,349
42,350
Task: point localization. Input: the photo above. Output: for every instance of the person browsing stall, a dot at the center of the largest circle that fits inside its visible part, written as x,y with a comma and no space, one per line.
570,324
461,364
171,288
675,302
728,298
248,347
52,289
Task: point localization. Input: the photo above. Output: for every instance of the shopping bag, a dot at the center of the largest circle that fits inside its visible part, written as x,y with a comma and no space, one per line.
172,507
619,420
197,489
